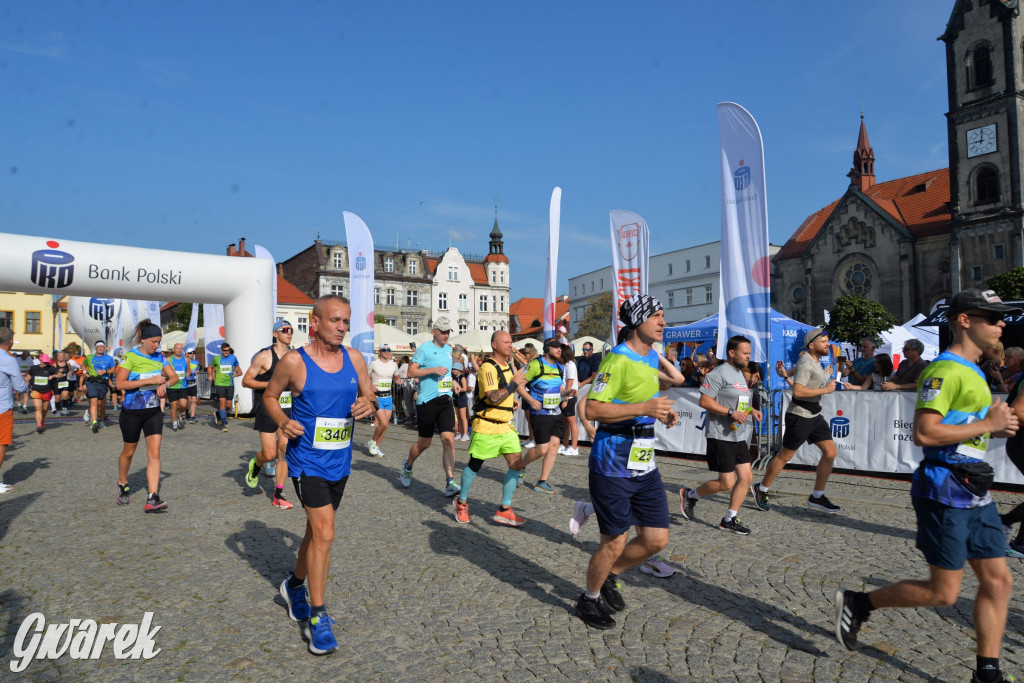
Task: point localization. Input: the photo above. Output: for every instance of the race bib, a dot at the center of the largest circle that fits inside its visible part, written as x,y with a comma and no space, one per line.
974,448
743,405
641,455
223,369
285,400
331,434
147,375
444,386
384,385
41,381
552,401
63,384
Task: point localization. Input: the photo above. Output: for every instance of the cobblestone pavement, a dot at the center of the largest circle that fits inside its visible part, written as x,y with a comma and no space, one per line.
419,597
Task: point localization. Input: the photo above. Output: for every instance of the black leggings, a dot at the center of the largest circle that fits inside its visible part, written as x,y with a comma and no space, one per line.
475,464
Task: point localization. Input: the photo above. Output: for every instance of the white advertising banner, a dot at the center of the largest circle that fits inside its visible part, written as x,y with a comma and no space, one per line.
551,278
262,252
213,330
630,252
874,431
360,272
191,337
744,302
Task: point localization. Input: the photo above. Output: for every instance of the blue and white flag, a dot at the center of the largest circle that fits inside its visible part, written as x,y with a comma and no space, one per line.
360,272
193,328
551,278
213,330
744,298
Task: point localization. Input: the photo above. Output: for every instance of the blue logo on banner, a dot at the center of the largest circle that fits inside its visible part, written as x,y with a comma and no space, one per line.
360,263
51,268
101,309
748,315
741,178
840,427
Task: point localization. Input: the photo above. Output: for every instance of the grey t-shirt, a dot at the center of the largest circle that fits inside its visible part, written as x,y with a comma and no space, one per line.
810,374
728,387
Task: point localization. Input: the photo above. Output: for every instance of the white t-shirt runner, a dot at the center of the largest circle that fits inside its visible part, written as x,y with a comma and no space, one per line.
382,375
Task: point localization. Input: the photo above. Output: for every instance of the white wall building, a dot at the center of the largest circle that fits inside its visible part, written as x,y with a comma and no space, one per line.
473,294
686,281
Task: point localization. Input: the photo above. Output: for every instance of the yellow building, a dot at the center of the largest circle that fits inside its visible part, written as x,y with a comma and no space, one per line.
39,321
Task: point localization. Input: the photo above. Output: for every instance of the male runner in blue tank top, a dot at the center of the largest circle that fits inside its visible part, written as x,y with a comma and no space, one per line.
330,389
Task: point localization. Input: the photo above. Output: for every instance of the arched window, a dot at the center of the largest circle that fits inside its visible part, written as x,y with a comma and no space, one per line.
979,67
986,186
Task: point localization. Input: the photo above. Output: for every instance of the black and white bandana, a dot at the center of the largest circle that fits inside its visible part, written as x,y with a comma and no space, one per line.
638,308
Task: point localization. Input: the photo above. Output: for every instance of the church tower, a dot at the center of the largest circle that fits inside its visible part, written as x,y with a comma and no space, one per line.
985,74
862,176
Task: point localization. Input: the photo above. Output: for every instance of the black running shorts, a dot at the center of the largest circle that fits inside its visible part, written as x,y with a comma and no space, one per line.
149,421
316,492
547,426
437,413
723,456
801,430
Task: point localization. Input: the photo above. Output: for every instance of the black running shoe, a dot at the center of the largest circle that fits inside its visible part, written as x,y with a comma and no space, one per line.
760,498
612,596
847,624
1002,679
687,504
822,503
593,614
154,503
734,526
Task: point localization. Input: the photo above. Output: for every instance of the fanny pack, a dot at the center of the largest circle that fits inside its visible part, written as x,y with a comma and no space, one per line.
976,476
813,407
645,431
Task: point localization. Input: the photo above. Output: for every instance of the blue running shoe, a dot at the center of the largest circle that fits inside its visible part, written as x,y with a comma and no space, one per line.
295,599
319,637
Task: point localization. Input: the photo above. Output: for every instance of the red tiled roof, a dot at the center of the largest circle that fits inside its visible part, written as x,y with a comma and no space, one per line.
525,311
920,203
287,293
476,269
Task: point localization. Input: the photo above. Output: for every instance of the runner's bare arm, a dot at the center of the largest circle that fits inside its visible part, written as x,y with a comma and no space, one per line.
259,365
289,375
668,373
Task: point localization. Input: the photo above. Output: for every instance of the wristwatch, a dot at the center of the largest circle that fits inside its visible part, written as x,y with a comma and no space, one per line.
729,414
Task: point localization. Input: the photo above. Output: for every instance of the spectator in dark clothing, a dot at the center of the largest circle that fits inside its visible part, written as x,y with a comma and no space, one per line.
910,368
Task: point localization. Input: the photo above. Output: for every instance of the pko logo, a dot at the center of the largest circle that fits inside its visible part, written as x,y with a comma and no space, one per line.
360,262
51,268
741,177
101,309
840,426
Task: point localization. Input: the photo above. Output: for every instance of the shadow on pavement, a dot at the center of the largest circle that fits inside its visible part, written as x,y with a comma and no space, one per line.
13,612
270,551
805,514
21,471
12,505
496,559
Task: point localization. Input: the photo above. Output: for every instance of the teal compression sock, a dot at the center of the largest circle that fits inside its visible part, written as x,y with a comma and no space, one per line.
508,487
468,476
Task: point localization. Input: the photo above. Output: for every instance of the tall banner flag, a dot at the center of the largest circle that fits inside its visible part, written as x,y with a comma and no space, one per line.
551,279
151,310
360,272
262,252
213,330
191,337
743,303
631,249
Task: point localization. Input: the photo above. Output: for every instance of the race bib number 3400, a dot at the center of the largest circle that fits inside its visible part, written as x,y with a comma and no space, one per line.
332,434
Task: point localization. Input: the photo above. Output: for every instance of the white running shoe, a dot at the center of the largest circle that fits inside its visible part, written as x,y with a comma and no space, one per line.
529,444
572,451
5,488
372,445
579,517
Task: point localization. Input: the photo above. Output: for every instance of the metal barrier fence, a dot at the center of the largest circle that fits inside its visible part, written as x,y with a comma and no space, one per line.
769,436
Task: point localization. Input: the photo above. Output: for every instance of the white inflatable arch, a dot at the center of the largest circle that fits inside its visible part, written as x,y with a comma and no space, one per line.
245,286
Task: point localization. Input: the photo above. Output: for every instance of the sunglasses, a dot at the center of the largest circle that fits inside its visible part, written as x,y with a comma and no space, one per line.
286,330
990,318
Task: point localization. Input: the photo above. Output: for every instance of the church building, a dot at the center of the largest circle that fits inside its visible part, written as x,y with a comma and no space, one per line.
909,242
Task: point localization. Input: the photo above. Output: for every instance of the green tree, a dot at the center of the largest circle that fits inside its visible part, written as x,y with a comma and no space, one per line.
1009,285
852,318
379,318
182,317
597,321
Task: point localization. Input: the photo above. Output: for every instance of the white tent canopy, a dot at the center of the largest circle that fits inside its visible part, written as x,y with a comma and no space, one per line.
400,342
894,338
521,344
475,341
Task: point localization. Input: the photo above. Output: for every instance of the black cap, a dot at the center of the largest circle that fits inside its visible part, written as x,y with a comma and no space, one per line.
977,300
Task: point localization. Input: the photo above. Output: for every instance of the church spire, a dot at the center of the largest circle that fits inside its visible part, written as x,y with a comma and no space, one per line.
863,174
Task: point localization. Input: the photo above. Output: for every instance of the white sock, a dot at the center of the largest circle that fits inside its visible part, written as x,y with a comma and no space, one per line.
592,596
818,494
730,515
762,488
692,494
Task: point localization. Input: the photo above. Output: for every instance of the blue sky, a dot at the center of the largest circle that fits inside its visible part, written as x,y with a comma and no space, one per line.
185,125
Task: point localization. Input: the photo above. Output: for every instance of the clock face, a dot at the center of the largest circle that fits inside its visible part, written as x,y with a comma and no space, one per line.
981,140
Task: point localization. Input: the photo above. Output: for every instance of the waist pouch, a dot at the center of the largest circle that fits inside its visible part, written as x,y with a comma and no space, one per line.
975,476
813,407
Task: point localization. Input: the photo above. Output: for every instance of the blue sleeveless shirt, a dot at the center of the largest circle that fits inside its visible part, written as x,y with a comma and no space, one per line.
324,409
